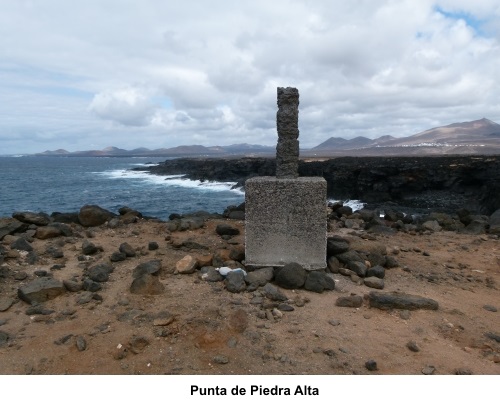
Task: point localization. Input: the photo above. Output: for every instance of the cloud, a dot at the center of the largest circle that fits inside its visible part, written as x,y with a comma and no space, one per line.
125,106
161,74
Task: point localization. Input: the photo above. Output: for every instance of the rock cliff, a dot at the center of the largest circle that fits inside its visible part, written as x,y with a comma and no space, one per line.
447,183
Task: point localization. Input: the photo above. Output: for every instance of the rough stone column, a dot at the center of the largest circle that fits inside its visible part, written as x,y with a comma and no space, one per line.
287,123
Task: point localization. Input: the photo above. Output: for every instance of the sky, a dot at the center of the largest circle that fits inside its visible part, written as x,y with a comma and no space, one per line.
82,75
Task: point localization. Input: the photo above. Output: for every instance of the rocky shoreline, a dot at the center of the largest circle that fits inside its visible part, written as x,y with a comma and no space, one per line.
441,183
99,292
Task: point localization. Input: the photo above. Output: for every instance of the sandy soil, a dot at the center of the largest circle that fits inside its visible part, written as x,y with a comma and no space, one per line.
197,327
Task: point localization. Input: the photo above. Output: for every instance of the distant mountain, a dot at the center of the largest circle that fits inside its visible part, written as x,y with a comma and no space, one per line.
473,137
182,150
344,144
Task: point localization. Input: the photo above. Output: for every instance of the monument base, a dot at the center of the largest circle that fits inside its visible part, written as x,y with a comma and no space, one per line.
285,221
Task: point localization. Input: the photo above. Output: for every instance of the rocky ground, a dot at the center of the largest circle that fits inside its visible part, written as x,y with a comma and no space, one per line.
93,293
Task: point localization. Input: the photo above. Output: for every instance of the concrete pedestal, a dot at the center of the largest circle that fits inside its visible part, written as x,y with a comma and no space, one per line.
285,221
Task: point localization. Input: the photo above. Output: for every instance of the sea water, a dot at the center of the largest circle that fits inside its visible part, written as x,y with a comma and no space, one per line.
65,184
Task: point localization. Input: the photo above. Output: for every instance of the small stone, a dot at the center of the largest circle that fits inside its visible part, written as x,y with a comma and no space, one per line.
5,303
490,308
463,371
117,257
187,265
334,322
153,246
63,340
285,307
374,282
371,365
405,314
220,359
428,370
81,343
226,229
412,345
351,301
88,248
20,275
4,339
127,249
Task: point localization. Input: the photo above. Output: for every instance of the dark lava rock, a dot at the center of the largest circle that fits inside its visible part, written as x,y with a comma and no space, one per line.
21,244
391,262
20,275
118,257
72,286
9,226
260,277
273,293
400,301
90,285
318,281
147,284
93,215
493,336
371,365
336,245
149,267
349,256
88,248
350,301
376,259
81,343
490,308
463,371
376,271
54,252
127,249
291,276
285,307
412,345
374,282
211,274
53,231
65,218
494,222
100,272
358,267
40,219
4,339
235,281
226,229
41,290
333,264
38,310
153,246
40,273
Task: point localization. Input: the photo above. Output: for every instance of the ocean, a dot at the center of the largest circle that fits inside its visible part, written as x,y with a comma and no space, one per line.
65,184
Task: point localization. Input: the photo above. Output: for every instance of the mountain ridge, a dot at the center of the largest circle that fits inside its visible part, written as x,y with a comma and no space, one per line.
471,137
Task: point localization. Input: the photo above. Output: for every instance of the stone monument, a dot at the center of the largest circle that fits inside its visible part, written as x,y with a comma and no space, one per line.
286,215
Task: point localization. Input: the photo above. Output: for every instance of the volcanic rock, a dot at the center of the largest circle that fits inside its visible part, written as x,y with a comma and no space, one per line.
291,276
93,215
21,244
350,301
400,301
226,229
318,281
41,290
40,219
147,284
149,267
